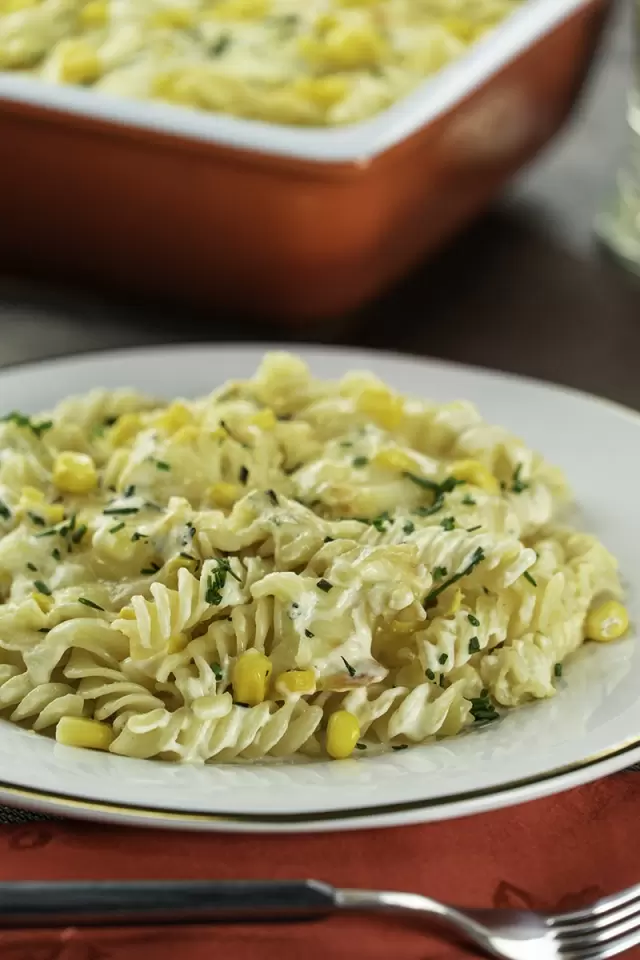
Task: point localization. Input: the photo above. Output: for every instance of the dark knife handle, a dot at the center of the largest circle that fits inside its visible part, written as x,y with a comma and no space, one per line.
140,903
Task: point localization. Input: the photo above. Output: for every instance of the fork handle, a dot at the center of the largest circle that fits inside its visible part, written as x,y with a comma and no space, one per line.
162,902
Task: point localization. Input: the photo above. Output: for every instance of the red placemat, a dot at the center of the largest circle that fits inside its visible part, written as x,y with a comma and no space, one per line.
552,854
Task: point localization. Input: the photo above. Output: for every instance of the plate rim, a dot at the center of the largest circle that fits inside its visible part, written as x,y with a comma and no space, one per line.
508,792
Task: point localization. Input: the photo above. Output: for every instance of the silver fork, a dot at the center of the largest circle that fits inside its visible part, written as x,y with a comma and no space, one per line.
605,929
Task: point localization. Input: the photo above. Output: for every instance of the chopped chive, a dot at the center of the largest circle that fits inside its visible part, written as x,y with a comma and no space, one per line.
482,709
5,513
468,500
120,511
409,527
118,526
518,485
129,491
474,645
163,465
216,670
43,630
42,587
381,521
473,620
361,746
90,603
79,534
442,659
360,461
558,670
139,536
243,475
42,427
48,533
430,675
473,529
328,540
350,670
32,567
528,577
273,497
55,553
324,585
448,523
439,573
346,444
39,522
477,557
308,634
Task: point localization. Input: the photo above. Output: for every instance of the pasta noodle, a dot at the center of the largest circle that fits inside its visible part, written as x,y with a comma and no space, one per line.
317,62
285,568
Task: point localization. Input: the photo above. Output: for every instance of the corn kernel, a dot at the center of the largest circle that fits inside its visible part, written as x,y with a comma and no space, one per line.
455,604
33,501
82,732
44,602
79,63
173,418
607,622
395,459
177,643
265,419
74,473
224,494
475,473
125,428
296,681
173,18
249,678
343,732
127,613
94,14
323,92
382,406
345,48
32,494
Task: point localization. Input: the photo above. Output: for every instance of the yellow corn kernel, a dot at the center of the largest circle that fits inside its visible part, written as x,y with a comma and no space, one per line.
125,428
94,14
265,419
475,473
323,92
296,681
238,10
32,494
33,501
382,406
345,48
173,18
250,677
80,63
44,602
74,473
173,418
177,642
82,732
343,732
127,613
395,459
455,604
224,494
607,622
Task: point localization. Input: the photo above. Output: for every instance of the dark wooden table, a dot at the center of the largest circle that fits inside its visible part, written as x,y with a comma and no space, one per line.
525,289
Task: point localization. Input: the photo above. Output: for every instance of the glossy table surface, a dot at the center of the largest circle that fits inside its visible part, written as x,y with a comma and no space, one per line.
525,289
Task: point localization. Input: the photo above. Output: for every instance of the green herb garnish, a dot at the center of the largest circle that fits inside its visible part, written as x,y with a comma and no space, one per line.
473,620
430,675
474,645
558,670
118,527
473,529
442,659
439,573
518,485
120,511
448,523
139,536
324,585
468,500
32,567
528,577
216,582
22,420
308,634
400,746
129,491
163,465
55,553
39,522
380,521
90,603
409,527
329,540
360,461
221,44
350,670
478,557
5,513
273,497
361,746
243,475
42,587
216,670
483,710
79,534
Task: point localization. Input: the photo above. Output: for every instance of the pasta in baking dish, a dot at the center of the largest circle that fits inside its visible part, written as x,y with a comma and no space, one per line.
311,62
287,567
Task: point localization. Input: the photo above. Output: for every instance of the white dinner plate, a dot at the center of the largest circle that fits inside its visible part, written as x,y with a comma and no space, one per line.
591,728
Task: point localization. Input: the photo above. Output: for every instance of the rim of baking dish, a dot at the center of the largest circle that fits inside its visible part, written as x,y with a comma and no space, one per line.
358,142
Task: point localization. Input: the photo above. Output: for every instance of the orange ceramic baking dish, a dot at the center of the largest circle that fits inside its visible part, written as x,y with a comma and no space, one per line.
285,222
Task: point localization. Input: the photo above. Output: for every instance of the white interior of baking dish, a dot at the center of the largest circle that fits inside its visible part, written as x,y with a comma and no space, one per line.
357,142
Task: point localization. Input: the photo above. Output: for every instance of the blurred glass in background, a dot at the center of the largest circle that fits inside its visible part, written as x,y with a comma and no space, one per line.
618,226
